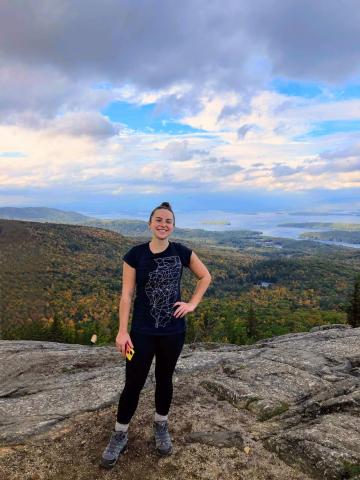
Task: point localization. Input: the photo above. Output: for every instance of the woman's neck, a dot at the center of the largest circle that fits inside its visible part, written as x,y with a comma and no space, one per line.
159,244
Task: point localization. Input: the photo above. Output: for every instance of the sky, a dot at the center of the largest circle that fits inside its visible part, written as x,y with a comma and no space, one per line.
117,105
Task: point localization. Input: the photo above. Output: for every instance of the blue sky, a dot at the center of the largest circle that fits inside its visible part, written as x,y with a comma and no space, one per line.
331,127
296,88
112,106
293,88
145,118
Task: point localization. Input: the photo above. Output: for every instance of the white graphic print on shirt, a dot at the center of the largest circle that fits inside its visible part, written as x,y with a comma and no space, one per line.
162,289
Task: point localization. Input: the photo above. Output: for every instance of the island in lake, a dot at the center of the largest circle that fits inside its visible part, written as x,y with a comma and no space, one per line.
216,222
337,232
351,227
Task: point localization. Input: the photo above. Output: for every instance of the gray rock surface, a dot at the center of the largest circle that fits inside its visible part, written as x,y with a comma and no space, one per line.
297,395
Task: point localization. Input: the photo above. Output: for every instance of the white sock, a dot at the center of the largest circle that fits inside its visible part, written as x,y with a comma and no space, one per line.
160,418
121,427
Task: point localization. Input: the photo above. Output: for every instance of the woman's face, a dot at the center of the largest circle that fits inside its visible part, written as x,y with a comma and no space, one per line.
162,223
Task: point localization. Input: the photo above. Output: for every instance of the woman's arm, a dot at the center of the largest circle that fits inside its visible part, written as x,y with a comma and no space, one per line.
204,279
128,288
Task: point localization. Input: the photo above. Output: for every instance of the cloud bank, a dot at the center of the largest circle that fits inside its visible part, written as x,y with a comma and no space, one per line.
239,96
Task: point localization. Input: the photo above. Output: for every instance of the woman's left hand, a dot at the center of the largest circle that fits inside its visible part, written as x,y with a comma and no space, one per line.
183,309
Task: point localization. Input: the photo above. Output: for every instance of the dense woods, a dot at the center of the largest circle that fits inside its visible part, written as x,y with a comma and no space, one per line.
63,283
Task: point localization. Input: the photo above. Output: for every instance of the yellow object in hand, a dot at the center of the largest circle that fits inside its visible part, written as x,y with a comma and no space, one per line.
129,352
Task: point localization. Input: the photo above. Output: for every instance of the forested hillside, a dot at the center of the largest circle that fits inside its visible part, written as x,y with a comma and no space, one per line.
62,282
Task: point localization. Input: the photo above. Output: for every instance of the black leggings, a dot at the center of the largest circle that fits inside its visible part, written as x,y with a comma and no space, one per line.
167,349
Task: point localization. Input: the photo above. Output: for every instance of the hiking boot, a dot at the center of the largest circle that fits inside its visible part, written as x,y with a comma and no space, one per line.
116,445
162,438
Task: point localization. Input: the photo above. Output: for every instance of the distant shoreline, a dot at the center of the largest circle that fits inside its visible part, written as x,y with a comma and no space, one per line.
215,222
208,224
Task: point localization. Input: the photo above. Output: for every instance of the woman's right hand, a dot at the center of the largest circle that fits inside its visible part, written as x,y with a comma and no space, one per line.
121,340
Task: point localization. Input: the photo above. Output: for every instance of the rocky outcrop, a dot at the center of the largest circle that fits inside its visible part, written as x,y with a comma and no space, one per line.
284,408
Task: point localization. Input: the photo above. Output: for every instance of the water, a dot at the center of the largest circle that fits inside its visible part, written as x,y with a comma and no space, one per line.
265,222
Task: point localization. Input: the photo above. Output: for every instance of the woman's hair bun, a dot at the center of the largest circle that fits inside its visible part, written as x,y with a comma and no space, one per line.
165,204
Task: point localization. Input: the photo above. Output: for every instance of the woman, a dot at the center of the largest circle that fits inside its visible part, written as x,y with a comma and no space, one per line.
158,325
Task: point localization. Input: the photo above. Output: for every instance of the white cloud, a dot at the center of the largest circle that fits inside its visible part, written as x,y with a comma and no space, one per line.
207,66
90,124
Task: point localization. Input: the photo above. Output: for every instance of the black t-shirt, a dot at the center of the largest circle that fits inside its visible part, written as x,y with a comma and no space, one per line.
158,278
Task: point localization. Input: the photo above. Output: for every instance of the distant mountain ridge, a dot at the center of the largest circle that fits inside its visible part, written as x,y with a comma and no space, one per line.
41,214
231,239
44,214
128,227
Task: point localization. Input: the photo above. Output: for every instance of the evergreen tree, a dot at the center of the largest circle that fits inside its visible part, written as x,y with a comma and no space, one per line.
68,331
56,330
251,322
353,313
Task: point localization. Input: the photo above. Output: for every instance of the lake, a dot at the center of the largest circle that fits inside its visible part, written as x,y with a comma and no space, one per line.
265,222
